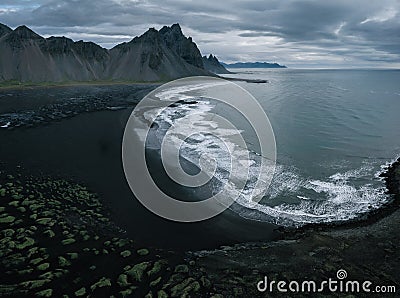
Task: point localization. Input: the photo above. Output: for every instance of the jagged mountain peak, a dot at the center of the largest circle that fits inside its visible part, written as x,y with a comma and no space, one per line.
173,33
182,45
59,38
5,26
211,63
90,50
23,36
153,56
58,45
211,57
151,31
64,45
175,28
89,44
4,30
26,33
150,36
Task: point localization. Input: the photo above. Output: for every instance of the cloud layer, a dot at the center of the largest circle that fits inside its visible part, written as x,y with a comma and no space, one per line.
308,33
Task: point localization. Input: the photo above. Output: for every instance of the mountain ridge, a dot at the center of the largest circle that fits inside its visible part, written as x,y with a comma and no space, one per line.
252,65
155,55
4,30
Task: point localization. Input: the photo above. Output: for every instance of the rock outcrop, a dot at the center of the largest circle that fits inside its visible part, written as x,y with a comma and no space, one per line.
212,64
150,57
182,45
154,56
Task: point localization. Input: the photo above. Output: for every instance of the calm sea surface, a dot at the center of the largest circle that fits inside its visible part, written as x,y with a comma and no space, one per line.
335,130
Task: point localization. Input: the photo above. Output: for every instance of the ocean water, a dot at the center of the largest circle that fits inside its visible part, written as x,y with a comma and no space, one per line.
335,130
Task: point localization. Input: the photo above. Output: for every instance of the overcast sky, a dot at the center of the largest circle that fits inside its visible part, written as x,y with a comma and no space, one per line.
313,33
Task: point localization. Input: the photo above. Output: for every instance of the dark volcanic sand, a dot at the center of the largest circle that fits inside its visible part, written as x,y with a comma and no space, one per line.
29,107
87,148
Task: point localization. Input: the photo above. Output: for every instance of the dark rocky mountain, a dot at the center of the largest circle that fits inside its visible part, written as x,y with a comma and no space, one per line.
253,65
212,64
154,56
150,58
27,57
182,45
4,30
22,36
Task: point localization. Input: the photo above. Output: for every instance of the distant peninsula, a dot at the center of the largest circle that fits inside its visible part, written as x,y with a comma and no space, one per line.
253,65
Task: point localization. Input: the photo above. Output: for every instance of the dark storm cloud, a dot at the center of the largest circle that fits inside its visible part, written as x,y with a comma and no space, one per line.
309,32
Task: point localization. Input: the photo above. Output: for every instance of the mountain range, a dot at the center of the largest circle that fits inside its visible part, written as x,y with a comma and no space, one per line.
157,55
253,65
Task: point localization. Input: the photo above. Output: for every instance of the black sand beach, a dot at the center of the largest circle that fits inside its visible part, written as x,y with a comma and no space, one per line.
86,147
130,251
368,251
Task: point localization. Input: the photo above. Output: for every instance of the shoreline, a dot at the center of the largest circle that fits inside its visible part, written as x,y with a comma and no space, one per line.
365,247
30,86
366,251
253,81
33,85
392,183
91,142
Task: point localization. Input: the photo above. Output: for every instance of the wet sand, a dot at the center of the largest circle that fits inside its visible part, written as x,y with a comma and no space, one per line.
233,254
87,149
367,251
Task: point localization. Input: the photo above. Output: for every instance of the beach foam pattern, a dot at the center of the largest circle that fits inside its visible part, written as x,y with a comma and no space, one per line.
334,199
179,121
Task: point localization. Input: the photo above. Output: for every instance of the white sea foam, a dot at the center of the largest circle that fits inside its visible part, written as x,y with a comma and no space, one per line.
335,198
6,125
355,173
285,180
384,168
303,198
341,201
178,93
